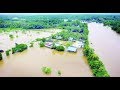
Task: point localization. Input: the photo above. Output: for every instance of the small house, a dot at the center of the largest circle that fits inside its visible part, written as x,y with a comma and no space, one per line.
78,44
58,37
49,44
72,49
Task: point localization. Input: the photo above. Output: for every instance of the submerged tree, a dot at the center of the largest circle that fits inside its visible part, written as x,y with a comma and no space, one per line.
19,48
8,52
0,56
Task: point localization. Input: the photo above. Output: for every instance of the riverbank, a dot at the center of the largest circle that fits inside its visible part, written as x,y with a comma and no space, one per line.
106,44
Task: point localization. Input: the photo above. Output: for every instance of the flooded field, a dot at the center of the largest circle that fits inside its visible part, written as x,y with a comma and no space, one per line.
106,43
29,62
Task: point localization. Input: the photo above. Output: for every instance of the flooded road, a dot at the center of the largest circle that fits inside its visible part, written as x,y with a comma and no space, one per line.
106,43
29,63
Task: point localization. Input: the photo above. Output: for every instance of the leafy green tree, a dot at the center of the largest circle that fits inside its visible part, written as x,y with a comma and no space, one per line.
42,44
19,48
60,48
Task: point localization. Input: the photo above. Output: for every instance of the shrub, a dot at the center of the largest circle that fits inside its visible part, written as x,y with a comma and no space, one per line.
31,44
87,50
7,52
93,57
11,36
68,44
42,44
43,39
46,70
19,48
100,73
59,72
38,39
17,36
95,64
0,56
60,48
53,36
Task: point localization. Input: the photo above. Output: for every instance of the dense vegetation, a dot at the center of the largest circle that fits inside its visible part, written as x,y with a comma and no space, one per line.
60,48
72,32
69,22
28,22
111,20
114,24
94,61
1,56
42,44
11,36
59,73
19,48
31,44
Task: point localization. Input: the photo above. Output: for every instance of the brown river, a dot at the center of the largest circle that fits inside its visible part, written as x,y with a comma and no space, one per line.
106,43
29,62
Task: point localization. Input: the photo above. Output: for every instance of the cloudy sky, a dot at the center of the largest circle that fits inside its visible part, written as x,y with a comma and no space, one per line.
54,13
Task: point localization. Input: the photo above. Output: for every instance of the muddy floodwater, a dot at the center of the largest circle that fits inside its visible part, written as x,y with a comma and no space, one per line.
106,43
29,62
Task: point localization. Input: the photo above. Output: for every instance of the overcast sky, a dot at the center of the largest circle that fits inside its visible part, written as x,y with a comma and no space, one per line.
54,13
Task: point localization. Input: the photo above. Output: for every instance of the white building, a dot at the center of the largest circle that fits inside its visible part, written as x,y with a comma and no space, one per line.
78,44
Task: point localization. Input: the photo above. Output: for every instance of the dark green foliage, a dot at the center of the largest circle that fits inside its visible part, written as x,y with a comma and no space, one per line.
60,48
115,24
87,50
11,36
31,44
93,56
43,39
19,48
59,72
1,56
42,44
53,37
95,64
8,52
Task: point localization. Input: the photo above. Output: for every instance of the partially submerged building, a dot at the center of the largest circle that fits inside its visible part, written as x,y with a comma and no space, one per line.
49,44
78,44
72,49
